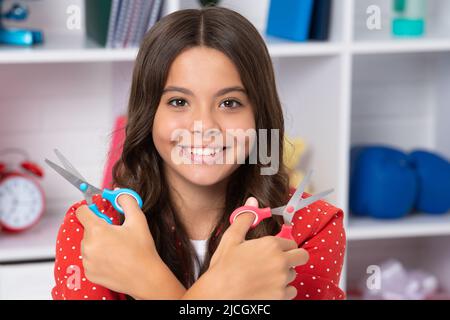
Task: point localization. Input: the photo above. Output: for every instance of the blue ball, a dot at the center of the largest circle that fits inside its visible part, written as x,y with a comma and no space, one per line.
433,172
383,183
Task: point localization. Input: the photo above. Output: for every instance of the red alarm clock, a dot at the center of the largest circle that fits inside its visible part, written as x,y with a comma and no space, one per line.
22,200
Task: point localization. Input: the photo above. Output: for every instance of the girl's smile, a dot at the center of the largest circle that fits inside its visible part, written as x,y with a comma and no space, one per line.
203,154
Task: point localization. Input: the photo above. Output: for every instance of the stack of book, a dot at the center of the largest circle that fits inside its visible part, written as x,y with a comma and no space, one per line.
300,20
121,23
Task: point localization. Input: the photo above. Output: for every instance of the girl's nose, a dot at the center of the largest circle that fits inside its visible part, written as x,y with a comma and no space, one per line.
204,121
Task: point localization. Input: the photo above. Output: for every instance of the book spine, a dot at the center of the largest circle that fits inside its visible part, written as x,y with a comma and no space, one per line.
290,19
112,22
155,13
119,35
132,26
128,16
97,20
142,25
320,22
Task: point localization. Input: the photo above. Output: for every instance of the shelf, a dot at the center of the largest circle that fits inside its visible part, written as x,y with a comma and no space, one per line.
74,49
60,49
401,46
416,225
283,48
38,243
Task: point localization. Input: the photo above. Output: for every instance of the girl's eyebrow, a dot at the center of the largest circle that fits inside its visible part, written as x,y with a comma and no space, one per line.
218,94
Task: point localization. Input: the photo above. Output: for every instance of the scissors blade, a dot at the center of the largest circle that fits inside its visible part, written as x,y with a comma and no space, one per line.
281,211
297,197
74,180
293,202
287,217
307,201
66,163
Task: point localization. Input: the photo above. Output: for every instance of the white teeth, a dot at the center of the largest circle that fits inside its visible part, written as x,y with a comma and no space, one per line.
203,151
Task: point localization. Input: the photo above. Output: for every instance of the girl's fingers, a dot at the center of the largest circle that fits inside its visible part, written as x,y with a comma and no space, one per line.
131,209
127,201
290,292
292,275
235,234
297,257
87,217
285,244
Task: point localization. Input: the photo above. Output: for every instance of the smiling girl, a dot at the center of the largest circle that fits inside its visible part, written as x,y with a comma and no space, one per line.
209,66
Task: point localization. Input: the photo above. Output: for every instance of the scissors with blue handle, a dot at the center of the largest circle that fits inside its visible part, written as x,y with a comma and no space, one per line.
76,179
287,212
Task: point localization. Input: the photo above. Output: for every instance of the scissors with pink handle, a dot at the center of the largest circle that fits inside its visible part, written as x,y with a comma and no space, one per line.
287,212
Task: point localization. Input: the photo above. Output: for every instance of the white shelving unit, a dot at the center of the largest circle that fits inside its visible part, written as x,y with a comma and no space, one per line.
360,87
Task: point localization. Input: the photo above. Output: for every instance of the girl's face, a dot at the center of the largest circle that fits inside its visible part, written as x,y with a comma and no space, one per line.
203,105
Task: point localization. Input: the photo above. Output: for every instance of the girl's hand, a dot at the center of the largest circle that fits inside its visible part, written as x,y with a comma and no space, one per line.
255,269
124,258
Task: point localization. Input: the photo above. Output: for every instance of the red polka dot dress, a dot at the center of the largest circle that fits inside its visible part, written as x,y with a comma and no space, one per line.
70,280
317,228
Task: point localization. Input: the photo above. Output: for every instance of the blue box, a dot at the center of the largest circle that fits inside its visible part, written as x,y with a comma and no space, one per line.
290,19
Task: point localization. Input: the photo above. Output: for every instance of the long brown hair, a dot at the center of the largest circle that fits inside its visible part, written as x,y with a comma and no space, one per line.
140,166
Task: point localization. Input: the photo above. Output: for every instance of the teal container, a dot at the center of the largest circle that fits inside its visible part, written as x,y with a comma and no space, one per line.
409,18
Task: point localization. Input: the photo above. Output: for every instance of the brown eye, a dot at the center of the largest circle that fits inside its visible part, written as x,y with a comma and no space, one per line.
230,104
177,103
